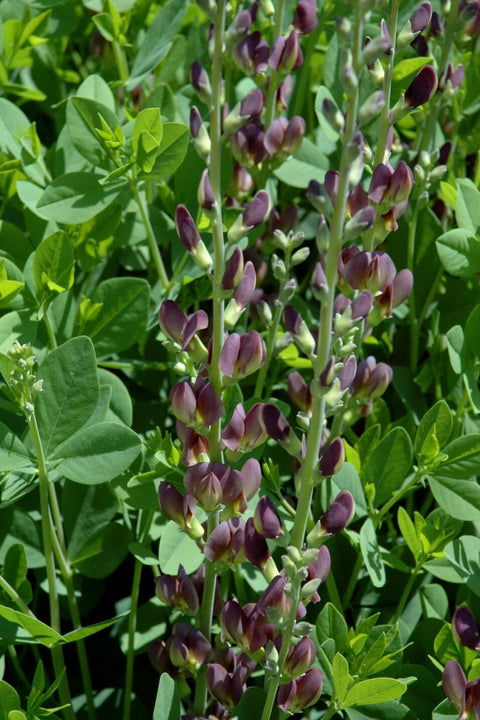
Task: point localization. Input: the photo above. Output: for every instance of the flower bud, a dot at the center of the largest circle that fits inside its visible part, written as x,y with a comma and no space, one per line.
339,514
301,692
381,45
251,54
465,628
278,428
178,591
179,509
190,238
225,542
227,687
266,519
188,648
305,18
454,685
332,458
299,392
286,54
415,25
255,546
298,328
254,214
299,658
200,136
420,90
242,355
244,111
372,107
205,196
200,82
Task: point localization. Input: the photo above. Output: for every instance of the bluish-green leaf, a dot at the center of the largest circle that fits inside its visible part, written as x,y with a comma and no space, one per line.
167,703
157,40
77,197
463,457
374,690
53,265
331,624
97,453
464,556
104,552
39,631
70,391
251,704
459,498
13,453
459,252
172,151
372,555
467,211
389,464
176,548
440,416
123,316
83,121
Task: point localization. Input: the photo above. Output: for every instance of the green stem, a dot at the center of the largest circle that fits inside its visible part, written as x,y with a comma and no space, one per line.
270,100
270,346
414,325
331,711
314,435
406,592
387,88
450,31
132,618
60,550
13,595
152,242
57,652
50,332
120,62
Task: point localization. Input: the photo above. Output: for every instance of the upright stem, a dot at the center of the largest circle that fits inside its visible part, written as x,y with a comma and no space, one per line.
132,619
414,327
387,87
152,242
218,334
273,85
57,652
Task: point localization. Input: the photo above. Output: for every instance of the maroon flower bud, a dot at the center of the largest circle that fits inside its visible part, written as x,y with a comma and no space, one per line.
321,567
247,145
339,514
283,137
332,458
436,27
286,54
200,136
233,621
305,18
469,17
347,373
195,446
371,379
401,287
234,270
284,93
251,54
300,657
361,306
327,375
188,648
244,111
225,542
278,428
213,483
160,659
244,431
465,628
205,196
373,271
331,181
179,509
359,223
227,687
256,211
190,238
415,25
200,82
266,519
178,591
240,26
381,45
244,291
422,87
298,328
465,696
242,354
181,328
401,184
255,546
302,692
196,405
299,392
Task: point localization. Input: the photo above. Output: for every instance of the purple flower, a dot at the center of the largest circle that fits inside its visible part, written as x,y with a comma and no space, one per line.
178,591
266,519
242,354
188,648
301,692
286,54
465,696
244,431
300,657
200,82
190,238
225,542
196,405
465,628
305,18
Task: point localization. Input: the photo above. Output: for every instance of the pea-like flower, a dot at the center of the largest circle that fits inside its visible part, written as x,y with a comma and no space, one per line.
300,692
465,696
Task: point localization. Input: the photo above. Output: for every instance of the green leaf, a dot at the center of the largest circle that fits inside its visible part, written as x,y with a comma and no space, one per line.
123,317
84,119
176,548
327,133
157,40
464,556
389,464
85,509
251,704
434,601
84,632
405,70
53,265
382,711
39,632
445,711
171,152
9,700
467,211
372,555
459,252
472,334
148,121
70,391
94,87
13,124
331,624
374,690
77,197
455,340
167,703
459,498
439,416
463,456
104,552
341,678
407,528
120,409
13,453
97,453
